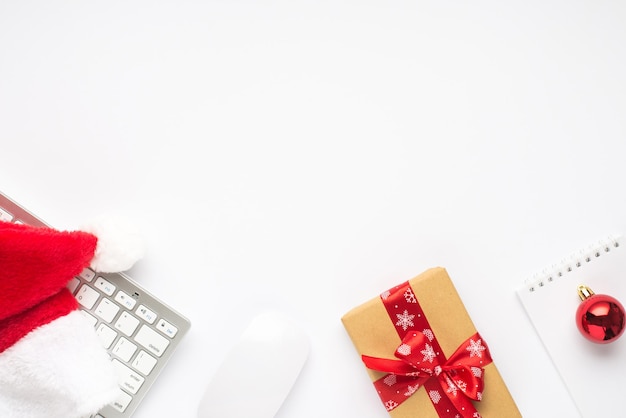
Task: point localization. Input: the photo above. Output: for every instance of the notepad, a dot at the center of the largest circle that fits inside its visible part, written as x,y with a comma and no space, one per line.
593,373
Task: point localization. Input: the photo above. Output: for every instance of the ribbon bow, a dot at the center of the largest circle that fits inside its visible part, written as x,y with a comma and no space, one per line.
460,376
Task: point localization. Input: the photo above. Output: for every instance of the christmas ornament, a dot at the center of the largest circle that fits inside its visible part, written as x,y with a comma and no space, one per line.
600,318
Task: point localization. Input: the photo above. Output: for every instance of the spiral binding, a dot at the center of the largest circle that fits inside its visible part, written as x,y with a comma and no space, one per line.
574,261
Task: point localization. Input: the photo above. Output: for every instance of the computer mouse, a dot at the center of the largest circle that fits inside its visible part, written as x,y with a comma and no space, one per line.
259,371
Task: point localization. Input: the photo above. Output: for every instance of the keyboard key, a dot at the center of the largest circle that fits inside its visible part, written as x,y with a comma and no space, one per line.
125,300
122,401
87,275
5,216
146,314
167,328
127,378
107,310
87,297
73,285
106,335
154,342
107,287
92,319
124,349
127,323
144,362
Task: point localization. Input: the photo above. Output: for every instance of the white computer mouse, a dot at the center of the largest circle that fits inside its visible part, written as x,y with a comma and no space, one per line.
258,372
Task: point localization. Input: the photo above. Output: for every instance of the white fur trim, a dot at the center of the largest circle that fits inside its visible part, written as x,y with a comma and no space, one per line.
59,370
119,244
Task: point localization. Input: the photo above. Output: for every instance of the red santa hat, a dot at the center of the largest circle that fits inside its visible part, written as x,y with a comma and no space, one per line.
51,361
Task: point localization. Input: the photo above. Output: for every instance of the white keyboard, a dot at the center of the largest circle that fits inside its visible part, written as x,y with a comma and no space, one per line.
138,330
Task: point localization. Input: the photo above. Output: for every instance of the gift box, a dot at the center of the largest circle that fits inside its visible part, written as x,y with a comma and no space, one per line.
424,355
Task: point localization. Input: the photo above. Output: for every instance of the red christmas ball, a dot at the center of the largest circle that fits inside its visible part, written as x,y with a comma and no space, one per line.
600,318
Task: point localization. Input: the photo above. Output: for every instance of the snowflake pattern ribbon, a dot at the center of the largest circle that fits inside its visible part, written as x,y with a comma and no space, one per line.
460,376
451,383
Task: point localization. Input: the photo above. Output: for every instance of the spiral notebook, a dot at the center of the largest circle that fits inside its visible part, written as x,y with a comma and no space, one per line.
592,372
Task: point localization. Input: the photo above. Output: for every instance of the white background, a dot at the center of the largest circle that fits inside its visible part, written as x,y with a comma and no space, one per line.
307,155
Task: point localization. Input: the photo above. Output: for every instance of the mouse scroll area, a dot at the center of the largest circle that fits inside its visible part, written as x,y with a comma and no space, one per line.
264,365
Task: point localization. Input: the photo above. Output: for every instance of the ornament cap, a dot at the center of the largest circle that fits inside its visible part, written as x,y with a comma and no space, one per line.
584,292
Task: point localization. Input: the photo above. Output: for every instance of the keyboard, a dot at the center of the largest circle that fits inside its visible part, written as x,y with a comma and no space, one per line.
139,331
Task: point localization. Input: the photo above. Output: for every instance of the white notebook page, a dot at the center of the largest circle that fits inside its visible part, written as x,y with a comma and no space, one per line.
593,373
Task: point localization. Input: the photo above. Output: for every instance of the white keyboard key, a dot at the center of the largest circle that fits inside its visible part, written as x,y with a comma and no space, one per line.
107,310
92,319
5,216
107,287
122,401
124,349
146,314
127,378
87,275
127,323
167,328
73,285
125,300
144,362
154,342
87,297
106,335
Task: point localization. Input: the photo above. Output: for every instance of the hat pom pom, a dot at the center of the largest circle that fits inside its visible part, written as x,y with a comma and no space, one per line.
119,247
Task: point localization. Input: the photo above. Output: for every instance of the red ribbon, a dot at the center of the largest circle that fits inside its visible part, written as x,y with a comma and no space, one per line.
452,383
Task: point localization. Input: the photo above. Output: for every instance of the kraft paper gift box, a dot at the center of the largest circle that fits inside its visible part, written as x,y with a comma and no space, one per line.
377,331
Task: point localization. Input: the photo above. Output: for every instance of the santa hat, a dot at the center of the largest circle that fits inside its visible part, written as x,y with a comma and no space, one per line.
51,361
